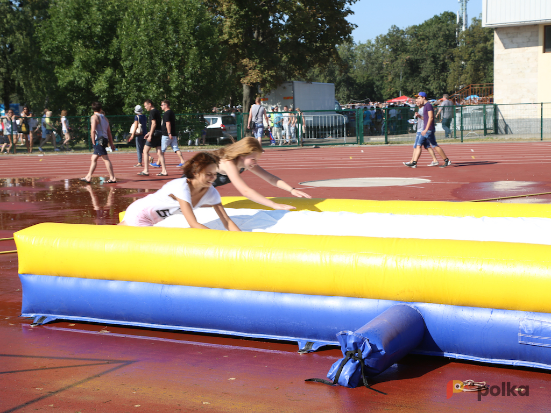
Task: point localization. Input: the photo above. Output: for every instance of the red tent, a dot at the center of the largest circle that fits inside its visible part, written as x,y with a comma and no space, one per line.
400,99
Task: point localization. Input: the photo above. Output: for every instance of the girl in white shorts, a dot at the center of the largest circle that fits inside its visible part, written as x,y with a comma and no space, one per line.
182,196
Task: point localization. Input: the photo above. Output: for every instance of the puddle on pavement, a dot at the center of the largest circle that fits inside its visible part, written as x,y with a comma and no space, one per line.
28,201
496,189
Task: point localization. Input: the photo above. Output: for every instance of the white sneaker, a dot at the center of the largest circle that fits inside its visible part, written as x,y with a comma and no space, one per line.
433,163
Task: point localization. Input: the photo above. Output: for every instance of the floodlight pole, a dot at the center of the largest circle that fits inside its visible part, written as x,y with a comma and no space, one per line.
462,14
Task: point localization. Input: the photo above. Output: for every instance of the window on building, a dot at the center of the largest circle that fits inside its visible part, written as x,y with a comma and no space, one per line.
547,39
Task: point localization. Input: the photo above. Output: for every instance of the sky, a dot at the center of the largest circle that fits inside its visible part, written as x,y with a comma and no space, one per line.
376,17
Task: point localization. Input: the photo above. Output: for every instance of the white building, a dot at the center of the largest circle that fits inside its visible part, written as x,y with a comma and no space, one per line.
522,49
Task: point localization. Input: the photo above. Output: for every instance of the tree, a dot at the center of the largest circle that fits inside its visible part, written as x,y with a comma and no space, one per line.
431,53
122,53
473,60
20,66
79,41
170,49
402,60
342,73
272,41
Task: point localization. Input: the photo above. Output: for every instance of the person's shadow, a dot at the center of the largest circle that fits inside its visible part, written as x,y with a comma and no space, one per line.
473,163
247,223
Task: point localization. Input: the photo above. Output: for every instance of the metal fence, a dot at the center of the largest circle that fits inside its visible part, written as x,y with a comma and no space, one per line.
308,128
526,121
530,121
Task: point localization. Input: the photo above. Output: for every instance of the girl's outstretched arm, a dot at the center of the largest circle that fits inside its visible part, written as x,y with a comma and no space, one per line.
187,210
248,192
226,220
275,181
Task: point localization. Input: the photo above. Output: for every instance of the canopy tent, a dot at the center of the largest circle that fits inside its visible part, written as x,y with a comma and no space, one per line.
400,99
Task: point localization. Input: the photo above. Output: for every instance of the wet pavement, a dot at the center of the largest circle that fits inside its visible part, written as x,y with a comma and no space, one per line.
27,201
85,367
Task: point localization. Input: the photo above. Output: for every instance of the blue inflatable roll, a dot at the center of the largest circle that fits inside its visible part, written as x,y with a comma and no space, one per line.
373,348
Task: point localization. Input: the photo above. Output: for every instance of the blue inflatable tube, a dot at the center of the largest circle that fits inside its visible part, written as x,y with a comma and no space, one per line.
489,335
377,345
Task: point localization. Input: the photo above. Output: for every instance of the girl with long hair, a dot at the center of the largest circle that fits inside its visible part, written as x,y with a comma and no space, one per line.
241,156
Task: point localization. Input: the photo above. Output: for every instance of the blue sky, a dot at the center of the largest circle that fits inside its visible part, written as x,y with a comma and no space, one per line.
375,17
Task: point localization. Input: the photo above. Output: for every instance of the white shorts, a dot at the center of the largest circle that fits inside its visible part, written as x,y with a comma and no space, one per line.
166,142
138,214
286,131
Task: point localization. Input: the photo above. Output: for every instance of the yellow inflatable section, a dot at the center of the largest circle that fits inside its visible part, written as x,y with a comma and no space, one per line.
448,209
464,273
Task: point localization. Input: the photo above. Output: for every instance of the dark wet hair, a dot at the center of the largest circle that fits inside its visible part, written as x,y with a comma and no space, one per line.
198,162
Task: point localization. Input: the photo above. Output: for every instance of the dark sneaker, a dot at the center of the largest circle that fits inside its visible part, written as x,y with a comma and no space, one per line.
447,162
410,164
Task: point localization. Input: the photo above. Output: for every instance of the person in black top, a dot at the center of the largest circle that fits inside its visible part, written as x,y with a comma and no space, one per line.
153,137
169,134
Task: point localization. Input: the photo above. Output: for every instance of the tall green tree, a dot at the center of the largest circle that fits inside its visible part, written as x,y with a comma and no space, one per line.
10,22
79,41
170,49
122,52
272,41
341,73
473,60
430,54
21,68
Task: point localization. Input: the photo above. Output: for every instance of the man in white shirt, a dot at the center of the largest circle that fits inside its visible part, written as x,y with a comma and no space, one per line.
286,126
257,115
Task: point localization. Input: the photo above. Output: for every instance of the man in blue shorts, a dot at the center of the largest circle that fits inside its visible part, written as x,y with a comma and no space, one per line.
426,138
100,133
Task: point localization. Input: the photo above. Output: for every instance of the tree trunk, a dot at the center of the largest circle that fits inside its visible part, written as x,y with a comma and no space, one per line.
247,97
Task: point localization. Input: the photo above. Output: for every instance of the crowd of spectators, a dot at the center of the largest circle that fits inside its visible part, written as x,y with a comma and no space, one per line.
400,116
27,130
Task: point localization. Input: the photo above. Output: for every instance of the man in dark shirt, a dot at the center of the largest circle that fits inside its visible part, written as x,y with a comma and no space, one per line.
153,137
169,134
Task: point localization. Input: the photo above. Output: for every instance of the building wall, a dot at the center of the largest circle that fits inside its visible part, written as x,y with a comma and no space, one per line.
497,13
544,71
517,51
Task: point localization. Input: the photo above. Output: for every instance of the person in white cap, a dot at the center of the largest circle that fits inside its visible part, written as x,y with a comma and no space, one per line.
137,130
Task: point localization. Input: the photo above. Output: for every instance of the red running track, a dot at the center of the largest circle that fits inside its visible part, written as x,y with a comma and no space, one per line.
83,367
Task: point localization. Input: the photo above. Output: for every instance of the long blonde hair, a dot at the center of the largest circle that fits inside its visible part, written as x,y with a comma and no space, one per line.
244,147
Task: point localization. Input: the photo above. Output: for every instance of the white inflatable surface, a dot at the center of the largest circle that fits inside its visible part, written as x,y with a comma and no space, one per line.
524,230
